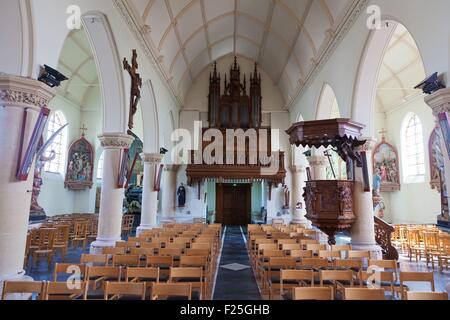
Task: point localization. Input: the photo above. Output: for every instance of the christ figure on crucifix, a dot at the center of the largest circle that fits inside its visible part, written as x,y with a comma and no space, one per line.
136,84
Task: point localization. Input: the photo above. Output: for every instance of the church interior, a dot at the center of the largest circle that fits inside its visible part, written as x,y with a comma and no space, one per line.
224,150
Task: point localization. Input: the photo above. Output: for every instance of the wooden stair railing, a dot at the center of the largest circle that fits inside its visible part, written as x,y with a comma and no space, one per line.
383,234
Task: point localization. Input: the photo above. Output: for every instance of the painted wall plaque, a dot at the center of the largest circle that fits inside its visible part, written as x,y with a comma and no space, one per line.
80,165
385,164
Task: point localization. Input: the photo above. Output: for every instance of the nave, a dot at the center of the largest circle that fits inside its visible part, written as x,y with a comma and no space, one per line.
211,262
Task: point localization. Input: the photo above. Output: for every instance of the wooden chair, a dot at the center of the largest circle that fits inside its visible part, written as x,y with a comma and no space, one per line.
62,291
124,291
364,294
99,275
444,255
337,279
172,291
198,261
80,234
164,263
314,263
355,265
121,260
271,275
45,246
316,247
415,277
410,295
290,279
94,259
113,251
306,293
378,279
330,255
194,276
300,254
62,239
11,290
127,224
69,270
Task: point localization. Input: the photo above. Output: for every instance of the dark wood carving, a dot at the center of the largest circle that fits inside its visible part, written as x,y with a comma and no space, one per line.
235,108
383,236
136,84
329,205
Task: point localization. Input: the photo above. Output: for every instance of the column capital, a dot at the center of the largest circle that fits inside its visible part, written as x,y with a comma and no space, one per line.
369,145
297,169
116,140
152,158
171,167
24,92
439,101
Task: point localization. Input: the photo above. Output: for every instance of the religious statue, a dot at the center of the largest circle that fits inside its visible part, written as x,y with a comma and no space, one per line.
36,211
136,85
377,183
287,196
181,194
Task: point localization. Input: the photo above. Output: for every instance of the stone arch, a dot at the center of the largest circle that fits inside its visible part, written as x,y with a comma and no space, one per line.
368,72
327,100
16,57
110,74
150,118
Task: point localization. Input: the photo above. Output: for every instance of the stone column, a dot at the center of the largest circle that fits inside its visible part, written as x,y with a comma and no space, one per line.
318,165
111,200
149,209
17,96
298,183
439,102
363,230
169,190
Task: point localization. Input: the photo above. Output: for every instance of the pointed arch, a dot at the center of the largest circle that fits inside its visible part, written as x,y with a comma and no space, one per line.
327,106
150,118
110,74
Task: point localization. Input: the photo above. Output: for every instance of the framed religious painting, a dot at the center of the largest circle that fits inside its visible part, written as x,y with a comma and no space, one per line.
386,167
80,165
444,122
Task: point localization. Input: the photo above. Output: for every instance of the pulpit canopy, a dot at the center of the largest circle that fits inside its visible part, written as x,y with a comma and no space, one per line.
324,133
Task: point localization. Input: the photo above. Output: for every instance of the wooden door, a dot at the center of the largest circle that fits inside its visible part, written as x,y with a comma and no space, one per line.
233,204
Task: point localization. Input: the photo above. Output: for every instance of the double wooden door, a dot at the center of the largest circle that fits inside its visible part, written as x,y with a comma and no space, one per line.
233,204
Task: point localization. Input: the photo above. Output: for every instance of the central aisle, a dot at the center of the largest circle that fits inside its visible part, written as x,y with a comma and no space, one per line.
235,279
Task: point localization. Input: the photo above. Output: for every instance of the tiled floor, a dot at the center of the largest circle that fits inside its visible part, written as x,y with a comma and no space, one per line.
235,279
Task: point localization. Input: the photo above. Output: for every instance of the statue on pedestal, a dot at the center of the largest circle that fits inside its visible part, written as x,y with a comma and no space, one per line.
181,194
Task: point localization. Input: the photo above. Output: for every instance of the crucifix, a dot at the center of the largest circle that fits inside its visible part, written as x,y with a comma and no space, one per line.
383,132
83,130
136,84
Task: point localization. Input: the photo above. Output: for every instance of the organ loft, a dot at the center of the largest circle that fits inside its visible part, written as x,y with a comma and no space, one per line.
235,108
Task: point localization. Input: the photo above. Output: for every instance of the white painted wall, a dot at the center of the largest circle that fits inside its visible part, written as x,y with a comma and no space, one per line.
415,202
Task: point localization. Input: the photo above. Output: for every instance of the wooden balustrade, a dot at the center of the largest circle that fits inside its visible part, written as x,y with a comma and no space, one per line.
383,236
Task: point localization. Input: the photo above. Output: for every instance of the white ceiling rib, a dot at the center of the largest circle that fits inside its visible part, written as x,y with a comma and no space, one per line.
284,36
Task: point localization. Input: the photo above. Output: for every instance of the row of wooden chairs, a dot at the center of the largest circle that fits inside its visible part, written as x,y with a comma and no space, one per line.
112,290
423,242
326,293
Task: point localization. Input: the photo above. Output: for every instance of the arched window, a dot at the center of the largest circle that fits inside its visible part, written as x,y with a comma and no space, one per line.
59,144
413,147
100,166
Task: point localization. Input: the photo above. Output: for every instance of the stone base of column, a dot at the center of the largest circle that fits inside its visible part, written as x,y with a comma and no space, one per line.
98,245
374,249
144,228
17,277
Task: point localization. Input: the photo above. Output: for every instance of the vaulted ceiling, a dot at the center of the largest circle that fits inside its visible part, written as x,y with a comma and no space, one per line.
402,69
77,63
286,37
